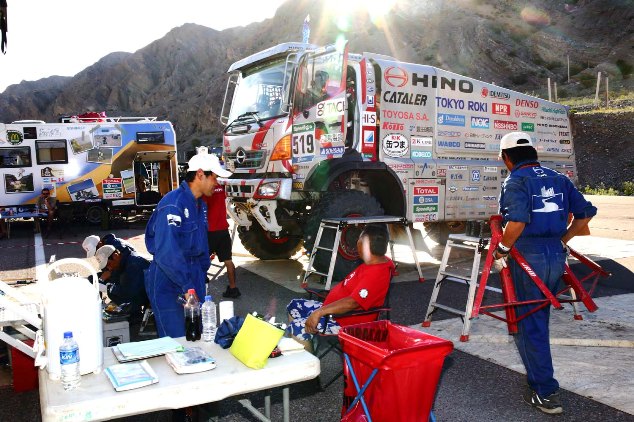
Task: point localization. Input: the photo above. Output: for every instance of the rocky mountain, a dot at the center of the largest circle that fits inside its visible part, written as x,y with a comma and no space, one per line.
514,43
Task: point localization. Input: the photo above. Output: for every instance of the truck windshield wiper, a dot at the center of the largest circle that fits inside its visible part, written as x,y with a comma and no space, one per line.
243,116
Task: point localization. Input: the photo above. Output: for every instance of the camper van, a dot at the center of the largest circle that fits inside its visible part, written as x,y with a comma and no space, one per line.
94,166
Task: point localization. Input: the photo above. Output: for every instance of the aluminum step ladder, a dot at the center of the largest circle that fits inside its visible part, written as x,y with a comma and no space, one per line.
339,224
462,242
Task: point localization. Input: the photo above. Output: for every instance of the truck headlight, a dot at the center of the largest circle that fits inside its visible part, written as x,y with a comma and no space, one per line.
267,190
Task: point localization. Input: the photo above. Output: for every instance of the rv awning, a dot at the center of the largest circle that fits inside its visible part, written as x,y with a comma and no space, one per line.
144,156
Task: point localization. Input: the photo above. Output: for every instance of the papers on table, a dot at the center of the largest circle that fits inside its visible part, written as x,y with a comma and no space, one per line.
288,345
126,376
126,352
191,360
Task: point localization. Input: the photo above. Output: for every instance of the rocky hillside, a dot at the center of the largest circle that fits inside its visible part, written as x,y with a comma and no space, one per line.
182,76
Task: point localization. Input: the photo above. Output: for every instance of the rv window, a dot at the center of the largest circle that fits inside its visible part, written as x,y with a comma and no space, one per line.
51,152
15,157
30,132
150,137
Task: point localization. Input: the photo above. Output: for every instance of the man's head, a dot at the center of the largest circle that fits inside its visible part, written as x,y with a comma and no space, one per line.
516,147
90,245
108,257
203,171
374,238
46,192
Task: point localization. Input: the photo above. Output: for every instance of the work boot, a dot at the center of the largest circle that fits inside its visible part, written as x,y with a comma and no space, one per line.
550,404
231,293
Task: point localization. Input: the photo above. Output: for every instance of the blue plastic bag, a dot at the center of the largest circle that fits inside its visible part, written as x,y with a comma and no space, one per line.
228,330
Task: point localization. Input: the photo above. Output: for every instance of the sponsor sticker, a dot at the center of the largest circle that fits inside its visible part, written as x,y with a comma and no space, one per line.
395,145
418,209
479,122
426,199
334,107
490,169
332,150
421,154
368,118
425,190
419,141
499,108
368,136
528,127
451,119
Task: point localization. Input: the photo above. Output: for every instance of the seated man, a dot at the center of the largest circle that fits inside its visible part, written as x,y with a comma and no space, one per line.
123,276
364,288
48,205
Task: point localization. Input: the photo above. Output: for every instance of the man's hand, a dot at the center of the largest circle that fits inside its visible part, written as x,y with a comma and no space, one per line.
311,322
500,263
566,248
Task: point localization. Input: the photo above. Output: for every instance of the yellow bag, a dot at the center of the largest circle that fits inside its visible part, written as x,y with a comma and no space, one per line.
255,342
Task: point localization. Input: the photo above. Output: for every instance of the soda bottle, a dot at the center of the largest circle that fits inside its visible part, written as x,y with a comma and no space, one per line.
69,361
210,322
192,317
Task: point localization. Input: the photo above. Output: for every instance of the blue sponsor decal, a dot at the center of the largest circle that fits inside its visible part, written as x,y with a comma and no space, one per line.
475,175
421,154
451,119
449,144
303,159
331,150
480,123
425,199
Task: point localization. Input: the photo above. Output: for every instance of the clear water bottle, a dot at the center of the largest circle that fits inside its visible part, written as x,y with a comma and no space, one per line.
192,317
210,321
69,361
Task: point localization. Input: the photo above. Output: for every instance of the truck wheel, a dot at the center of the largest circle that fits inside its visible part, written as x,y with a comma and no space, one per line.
262,245
95,214
439,232
334,205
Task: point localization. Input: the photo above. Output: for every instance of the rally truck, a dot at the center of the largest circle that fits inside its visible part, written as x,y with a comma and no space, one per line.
314,132
94,166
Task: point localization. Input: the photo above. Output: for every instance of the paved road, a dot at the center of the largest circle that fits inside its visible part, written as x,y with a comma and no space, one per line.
471,388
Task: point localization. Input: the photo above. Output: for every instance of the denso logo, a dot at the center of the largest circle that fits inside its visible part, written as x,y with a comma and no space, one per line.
427,81
526,103
504,125
393,126
395,76
501,109
480,122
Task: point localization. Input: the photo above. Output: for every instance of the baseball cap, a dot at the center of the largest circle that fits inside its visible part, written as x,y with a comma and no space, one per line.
102,255
90,245
515,139
207,162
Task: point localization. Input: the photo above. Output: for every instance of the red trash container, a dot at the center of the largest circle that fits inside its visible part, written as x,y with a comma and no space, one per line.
409,364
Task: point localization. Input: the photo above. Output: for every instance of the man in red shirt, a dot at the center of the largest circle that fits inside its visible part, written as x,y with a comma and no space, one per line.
364,288
218,237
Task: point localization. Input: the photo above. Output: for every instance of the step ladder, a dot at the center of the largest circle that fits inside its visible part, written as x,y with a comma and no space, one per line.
461,242
338,225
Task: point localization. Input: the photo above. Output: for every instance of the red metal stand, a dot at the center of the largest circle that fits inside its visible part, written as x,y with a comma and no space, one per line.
573,285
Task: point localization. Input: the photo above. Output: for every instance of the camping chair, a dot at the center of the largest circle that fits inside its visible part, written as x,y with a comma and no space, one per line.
323,343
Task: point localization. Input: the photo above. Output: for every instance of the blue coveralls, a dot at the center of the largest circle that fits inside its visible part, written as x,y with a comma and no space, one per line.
129,283
177,237
541,198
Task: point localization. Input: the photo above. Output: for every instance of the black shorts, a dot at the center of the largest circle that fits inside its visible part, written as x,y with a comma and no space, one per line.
219,242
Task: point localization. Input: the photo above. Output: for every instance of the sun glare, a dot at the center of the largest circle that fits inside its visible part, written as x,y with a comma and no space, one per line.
345,9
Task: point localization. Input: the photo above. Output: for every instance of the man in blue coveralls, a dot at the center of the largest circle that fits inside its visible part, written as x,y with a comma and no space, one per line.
535,202
177,237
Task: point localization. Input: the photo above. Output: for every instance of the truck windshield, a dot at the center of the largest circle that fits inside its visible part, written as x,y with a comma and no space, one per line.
259,92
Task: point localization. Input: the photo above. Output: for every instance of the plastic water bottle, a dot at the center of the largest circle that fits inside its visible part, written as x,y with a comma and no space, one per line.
69,361
192,317
210,321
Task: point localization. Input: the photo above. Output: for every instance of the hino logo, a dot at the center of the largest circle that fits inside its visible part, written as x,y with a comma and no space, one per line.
395,76
241,156
445,83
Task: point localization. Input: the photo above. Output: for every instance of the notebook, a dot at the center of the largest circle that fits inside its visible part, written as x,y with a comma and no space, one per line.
191,360
126,376
126,352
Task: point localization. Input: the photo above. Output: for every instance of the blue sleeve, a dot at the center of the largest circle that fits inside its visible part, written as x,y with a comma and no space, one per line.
578,205
167,246
515,202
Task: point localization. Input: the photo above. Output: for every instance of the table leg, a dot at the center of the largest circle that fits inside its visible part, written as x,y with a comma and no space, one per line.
285,401
267,405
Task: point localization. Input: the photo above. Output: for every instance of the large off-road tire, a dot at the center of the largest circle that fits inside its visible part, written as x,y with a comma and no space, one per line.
96,214
262,245
439,232
334,205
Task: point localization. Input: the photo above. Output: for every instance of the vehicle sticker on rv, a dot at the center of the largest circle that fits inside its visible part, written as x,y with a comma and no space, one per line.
395,145
107,137
83,190
14,137
81,143
18,181
112,188
99,155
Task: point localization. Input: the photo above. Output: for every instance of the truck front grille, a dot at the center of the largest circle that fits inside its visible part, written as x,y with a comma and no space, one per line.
249,159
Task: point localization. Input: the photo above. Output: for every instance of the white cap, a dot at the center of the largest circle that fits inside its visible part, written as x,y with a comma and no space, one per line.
103,254
515,139
206,162
90,245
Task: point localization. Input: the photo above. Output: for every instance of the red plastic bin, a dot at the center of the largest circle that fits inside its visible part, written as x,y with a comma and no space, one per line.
409,364
24,370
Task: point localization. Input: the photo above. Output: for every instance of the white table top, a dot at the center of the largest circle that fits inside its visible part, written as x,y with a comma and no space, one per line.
95,399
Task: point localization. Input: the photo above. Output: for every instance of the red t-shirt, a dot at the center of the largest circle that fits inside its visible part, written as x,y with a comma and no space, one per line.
216,210
367,285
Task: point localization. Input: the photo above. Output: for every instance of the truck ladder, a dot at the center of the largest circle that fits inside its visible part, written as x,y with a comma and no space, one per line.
338,224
